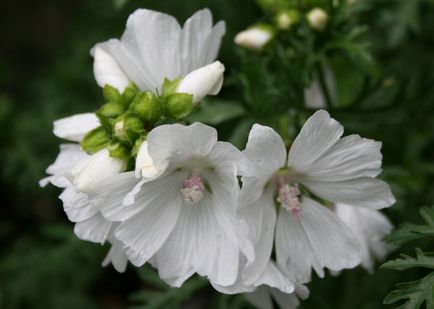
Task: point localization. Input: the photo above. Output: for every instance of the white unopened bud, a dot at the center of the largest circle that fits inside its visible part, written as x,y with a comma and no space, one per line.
254,38
144,164
204,81
317,19
286,19
89,173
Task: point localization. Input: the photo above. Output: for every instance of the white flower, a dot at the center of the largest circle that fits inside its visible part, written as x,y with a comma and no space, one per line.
317,19
185,218
340,170
204,81
79,204
254,38
370,226
154,47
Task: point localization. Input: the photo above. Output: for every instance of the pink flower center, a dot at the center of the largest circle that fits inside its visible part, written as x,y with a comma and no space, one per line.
289,197
192,189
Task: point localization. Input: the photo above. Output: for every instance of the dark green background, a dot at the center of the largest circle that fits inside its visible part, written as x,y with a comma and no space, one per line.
46,73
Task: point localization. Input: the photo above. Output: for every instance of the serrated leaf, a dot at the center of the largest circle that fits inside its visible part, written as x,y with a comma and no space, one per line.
405,262
415,293
409,231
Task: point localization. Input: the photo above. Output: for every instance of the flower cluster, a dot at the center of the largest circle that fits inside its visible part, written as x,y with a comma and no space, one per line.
172,195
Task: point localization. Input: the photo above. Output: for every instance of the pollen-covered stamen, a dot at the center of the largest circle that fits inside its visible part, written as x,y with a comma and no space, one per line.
288,197
192,189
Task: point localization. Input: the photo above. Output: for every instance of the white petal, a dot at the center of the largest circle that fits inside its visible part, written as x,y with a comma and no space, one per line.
144,165
266,150
69,155
107,70
273,278
200,41
116,256
144,233
108,196
351,157
225,156
74,128
204,81
96,229
319,133
87,174
317,238
77,205
361,192
177,143
260,217
369,226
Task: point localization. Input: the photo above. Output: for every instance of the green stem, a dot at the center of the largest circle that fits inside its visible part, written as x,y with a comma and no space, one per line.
323,84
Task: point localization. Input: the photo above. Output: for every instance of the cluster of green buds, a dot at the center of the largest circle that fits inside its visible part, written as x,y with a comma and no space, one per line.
127,117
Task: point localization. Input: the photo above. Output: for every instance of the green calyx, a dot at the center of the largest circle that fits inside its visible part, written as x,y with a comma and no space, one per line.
147,106
175,105
95,140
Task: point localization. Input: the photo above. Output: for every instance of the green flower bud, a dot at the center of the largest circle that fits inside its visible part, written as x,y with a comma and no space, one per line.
178,105
129,94
120,151
95,140
111,94
147,106
111,110
127,128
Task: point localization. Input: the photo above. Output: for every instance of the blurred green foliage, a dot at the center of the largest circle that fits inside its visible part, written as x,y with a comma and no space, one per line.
380,50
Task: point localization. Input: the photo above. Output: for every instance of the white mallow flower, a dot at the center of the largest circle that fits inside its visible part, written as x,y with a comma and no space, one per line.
155,47
308,234
184,219
79,204
254,38
370,226
204,81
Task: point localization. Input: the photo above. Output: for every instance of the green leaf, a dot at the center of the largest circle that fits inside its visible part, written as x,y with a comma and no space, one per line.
216,112
414,293
410,231
405,262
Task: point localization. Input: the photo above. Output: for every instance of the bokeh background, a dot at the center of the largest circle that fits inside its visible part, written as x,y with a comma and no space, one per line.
46,73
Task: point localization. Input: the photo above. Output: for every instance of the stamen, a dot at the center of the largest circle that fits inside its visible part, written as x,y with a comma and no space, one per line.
193,189
288,197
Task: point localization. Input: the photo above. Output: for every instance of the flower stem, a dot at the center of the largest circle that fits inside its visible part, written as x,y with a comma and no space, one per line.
323,84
